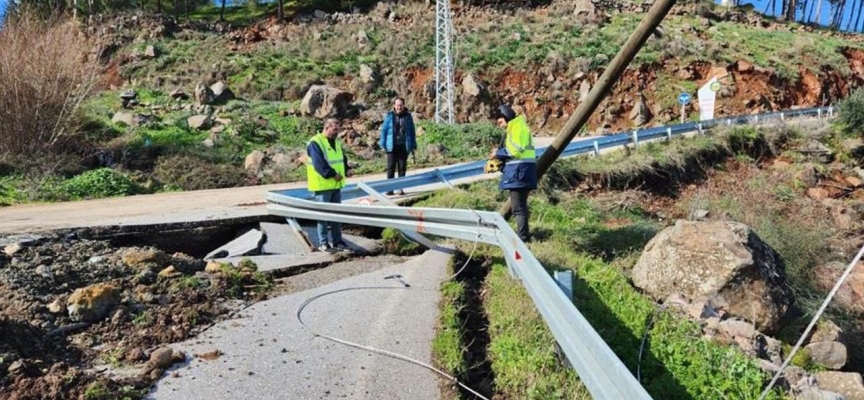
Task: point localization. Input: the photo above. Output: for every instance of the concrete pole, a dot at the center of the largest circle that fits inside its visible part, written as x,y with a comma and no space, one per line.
637,39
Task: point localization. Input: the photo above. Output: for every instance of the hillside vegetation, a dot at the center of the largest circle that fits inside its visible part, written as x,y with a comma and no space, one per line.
541,58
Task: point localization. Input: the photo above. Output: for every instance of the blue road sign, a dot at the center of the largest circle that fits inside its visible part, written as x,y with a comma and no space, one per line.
684,98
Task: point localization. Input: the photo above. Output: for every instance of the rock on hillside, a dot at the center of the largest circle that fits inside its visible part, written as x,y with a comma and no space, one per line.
724,261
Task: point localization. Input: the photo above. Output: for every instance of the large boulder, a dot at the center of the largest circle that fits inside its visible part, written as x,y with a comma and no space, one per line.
221,93
128,119
473,87
847,384
367,74
203,95
831,355
322,101
92,303
199,122
253,161
725,261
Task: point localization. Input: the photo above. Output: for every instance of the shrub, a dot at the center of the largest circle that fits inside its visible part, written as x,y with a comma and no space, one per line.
47,70
462,141
98,183
193,173
851,116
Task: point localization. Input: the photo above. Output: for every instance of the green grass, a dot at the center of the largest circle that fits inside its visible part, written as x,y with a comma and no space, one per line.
446,346
522,350
646,158
600,242
678,363
782,50
97,391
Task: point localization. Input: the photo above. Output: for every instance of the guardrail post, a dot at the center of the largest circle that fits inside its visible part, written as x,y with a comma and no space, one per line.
820,113
596,148
443,178
564,279
782,117
700,129
669,133
831,111
635,137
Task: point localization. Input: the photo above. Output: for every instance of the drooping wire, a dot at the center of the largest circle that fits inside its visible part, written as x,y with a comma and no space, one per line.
388,353
815,319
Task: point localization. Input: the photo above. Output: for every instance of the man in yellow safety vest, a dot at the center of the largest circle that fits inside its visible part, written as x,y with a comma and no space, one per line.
326,170
519,174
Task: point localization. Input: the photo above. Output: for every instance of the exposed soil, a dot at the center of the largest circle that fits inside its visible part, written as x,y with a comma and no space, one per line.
478,373
39,360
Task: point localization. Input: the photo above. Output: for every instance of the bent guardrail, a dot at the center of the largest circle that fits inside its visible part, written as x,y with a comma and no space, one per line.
602,372
585,146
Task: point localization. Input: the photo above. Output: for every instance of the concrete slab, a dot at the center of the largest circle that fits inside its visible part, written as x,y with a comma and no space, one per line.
267,354
282,239
284,262
357,243
245,244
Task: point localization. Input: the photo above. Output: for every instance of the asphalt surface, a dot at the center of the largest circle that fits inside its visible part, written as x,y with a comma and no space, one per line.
174,207
268,354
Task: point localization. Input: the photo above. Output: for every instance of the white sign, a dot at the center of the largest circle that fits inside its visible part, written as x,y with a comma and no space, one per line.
707,94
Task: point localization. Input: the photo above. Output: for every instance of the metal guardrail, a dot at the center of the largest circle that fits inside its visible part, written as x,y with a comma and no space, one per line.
602,372
585,146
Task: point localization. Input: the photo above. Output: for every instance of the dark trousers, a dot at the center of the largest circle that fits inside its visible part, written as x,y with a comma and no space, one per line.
397,161
519,202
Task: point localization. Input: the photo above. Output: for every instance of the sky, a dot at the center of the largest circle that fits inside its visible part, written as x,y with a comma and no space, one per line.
825,11
2,10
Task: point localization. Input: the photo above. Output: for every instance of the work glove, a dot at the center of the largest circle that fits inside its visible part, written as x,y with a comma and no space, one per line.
493,165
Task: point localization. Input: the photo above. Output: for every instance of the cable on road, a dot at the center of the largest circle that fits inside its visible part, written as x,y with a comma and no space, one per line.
387,353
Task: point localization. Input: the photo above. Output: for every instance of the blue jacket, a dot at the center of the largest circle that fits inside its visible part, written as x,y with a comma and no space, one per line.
387,129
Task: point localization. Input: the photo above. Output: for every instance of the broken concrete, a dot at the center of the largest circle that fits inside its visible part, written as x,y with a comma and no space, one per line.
266,343
281,239
283,262
245,244
356,243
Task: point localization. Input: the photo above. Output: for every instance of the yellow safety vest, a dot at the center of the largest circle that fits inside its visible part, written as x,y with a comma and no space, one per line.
315,181
520,144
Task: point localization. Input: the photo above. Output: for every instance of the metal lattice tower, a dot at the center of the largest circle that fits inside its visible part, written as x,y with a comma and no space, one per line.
444,92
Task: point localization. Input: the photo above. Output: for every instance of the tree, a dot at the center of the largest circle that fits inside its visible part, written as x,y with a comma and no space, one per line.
790,11
280,11
222,11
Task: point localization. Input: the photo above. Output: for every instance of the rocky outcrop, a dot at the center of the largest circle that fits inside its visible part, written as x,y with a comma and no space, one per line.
203,95
322,101
724,261
221,93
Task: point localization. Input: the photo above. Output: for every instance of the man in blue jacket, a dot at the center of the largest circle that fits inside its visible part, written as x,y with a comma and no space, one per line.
519,174
326,170
398,139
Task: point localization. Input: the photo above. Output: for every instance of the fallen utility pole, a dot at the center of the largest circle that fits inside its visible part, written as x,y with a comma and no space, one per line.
620,63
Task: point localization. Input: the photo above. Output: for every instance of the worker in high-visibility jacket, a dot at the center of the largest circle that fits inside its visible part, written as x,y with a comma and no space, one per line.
519,174
326,170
